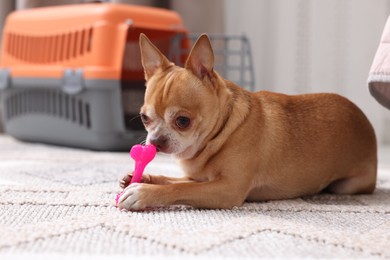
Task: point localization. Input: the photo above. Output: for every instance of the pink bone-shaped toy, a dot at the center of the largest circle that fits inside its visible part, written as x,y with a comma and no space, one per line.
142,155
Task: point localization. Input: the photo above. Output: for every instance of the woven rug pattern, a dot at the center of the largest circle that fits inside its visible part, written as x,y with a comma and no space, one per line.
56,200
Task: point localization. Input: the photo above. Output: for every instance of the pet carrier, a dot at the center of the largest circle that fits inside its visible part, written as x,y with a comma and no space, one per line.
72,75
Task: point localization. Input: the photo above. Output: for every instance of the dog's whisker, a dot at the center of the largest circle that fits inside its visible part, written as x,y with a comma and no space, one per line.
134,118
141,140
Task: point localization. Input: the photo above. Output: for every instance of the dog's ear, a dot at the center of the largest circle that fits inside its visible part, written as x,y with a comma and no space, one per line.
151,57
201,58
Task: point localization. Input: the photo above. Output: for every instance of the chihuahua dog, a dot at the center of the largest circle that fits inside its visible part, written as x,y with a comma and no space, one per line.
235,146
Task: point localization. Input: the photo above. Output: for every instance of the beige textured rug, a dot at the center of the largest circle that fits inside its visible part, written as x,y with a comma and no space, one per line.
59,202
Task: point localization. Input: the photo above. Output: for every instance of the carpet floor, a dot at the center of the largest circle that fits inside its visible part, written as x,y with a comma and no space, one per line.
59,202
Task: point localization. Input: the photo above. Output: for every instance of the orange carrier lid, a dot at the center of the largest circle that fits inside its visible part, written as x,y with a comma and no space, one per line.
43,42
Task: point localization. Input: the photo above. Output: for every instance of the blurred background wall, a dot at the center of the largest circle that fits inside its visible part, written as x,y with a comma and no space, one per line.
298,46
315,46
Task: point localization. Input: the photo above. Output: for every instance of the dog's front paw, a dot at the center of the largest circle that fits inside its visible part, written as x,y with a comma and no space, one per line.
136,196
124,180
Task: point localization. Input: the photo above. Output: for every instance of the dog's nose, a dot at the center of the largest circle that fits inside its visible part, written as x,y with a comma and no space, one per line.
160,142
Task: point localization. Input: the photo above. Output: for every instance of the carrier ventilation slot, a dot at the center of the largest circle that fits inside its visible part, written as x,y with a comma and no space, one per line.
50,103
49,48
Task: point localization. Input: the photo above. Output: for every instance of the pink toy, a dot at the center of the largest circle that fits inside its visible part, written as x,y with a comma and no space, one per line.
117,197
142,155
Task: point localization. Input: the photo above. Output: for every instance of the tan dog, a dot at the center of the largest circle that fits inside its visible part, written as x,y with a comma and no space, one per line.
234,145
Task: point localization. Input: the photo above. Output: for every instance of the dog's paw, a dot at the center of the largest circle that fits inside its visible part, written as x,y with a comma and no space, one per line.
135,197
124,180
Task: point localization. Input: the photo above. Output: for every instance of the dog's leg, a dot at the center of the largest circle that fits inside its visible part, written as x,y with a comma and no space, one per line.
124,180
214,194
164,180
363,181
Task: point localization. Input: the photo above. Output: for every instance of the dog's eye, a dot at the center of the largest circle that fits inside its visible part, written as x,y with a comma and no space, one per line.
182,122
144,118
